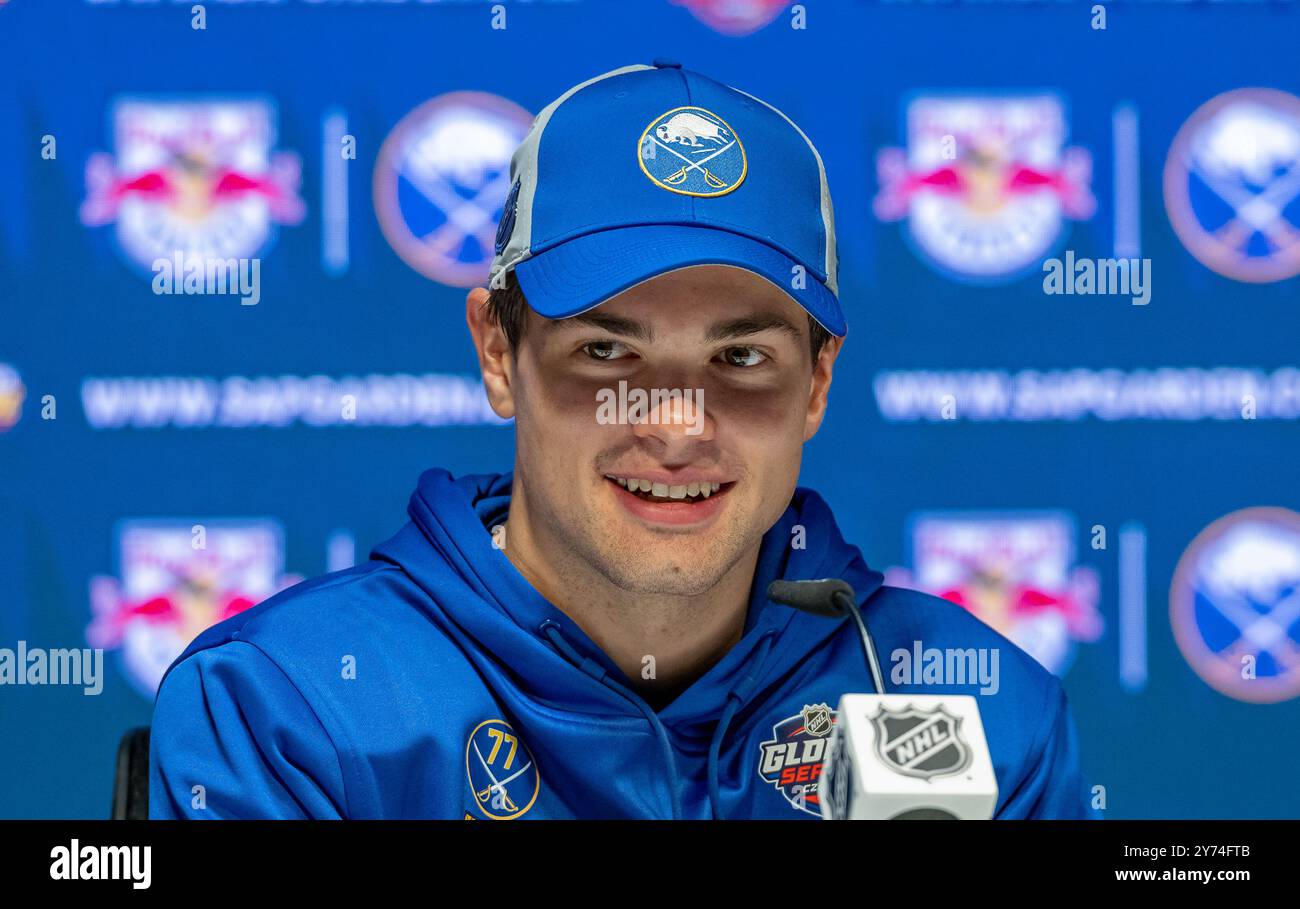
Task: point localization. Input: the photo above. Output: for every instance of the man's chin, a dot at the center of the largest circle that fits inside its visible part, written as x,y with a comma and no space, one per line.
656,578
646,558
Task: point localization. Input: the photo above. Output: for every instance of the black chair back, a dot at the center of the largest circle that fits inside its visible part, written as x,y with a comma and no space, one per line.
131,777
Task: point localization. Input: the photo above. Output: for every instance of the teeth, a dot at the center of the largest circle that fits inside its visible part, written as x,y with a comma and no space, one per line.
664,491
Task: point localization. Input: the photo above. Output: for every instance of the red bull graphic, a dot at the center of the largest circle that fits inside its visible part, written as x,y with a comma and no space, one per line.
12,395
174,580
1015,571
985,183
195,178
1234,605
734,17
1232,185
441,183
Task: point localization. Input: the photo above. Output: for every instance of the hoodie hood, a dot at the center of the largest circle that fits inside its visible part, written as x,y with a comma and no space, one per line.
481,598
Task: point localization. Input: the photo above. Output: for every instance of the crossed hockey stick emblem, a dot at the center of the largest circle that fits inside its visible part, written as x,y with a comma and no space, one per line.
688,165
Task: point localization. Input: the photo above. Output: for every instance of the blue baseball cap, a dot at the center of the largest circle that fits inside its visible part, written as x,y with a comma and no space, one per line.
648,169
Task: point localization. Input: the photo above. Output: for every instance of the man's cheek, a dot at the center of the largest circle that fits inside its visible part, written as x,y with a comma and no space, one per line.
562,415
587,404
760,409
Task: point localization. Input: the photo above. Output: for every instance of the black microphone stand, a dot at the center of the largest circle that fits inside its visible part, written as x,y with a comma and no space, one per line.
830,598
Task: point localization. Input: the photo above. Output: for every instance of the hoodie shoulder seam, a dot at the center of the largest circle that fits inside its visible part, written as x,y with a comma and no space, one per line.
1037,752
236,639
343,776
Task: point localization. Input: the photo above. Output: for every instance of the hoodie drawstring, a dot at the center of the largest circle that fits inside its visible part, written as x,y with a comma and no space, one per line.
555,635
735,699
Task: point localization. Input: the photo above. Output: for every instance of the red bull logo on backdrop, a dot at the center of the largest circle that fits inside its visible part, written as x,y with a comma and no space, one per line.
1015,572
734,17
985,184
441,182
194,178
12,394
1235,605
1232,185
174,580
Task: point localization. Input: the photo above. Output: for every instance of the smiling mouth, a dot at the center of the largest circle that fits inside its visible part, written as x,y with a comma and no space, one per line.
685,494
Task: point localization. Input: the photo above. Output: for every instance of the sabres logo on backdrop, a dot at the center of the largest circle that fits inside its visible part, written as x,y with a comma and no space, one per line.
441,183
1235,605
1232,185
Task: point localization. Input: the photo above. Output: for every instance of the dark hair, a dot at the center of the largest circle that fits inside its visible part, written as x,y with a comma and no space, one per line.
508,307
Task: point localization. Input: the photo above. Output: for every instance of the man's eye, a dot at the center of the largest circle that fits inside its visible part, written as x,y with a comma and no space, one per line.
742,356
605,350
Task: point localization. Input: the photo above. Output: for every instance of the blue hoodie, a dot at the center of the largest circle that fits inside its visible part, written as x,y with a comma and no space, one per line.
434,682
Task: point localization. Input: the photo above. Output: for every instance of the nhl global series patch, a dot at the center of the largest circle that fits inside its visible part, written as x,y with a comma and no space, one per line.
792,759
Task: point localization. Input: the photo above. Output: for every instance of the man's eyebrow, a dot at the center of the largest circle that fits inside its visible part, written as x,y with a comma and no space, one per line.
743,327
615,325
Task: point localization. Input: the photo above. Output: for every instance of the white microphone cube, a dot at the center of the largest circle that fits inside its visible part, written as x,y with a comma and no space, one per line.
908,757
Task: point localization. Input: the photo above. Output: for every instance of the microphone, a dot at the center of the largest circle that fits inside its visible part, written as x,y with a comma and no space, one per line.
830,598
895,756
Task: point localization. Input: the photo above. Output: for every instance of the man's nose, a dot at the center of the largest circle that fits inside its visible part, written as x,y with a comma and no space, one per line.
676,417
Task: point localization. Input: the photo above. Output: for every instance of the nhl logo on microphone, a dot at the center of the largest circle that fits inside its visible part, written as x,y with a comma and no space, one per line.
908,757
921,743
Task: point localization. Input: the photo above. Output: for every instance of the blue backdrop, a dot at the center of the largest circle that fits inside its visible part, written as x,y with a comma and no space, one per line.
1112,484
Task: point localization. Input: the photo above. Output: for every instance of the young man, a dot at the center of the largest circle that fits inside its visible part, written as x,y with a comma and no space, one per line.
590,636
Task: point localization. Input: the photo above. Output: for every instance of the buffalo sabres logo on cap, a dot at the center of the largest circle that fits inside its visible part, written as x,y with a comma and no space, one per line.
692,151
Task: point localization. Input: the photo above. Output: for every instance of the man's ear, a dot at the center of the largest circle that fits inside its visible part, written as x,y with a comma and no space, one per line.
495,360
820,385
